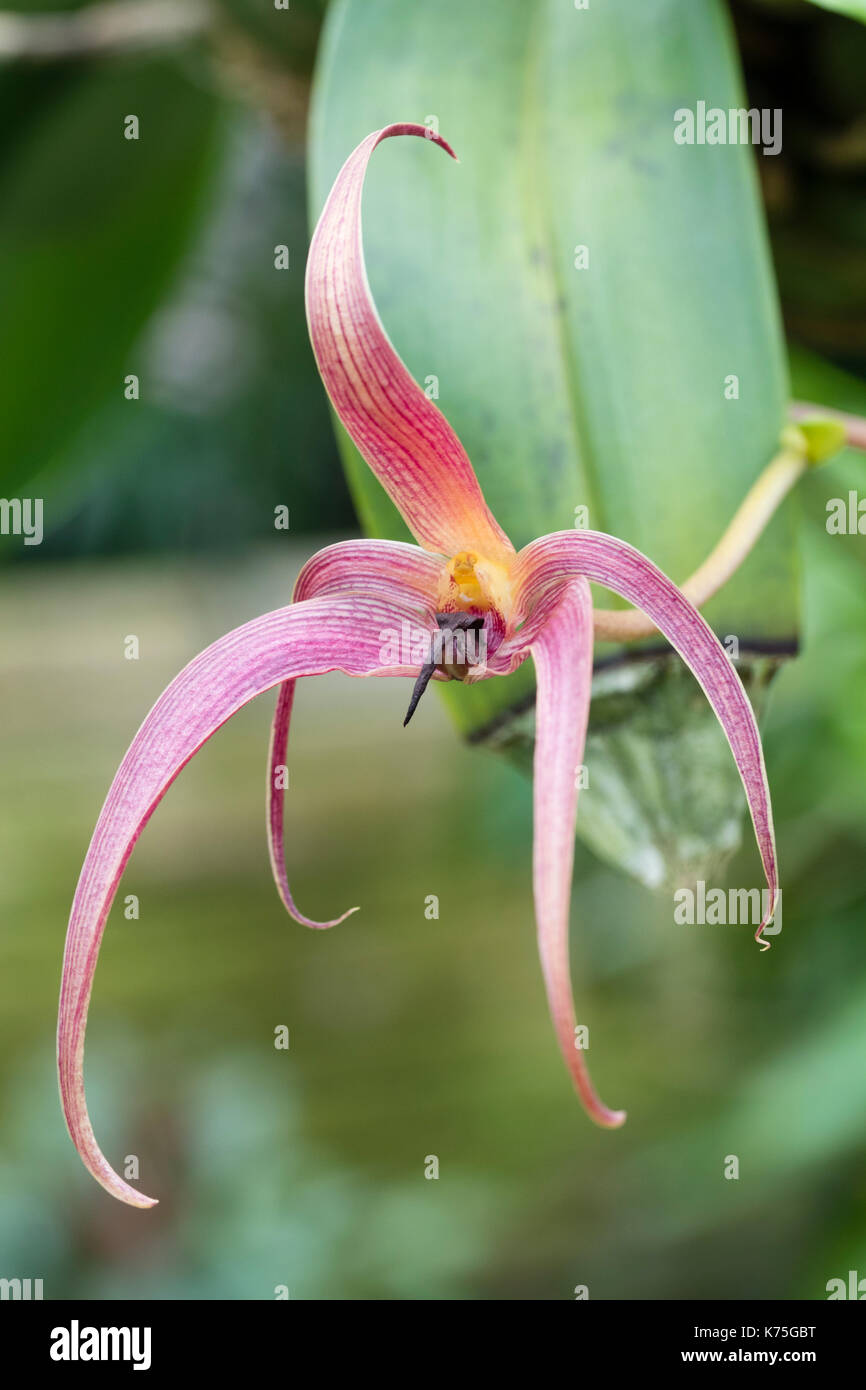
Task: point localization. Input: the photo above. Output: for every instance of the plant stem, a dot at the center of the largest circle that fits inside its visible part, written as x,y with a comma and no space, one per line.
761,502
853,425
116,26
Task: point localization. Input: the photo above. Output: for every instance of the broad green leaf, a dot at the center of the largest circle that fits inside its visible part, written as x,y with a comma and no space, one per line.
92,227
823,384
856,9
601,387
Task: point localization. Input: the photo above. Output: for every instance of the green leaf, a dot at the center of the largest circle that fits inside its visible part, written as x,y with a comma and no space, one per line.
604,386
92,227
823,384
855,9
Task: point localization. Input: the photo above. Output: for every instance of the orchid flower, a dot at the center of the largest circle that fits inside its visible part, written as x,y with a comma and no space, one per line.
463,579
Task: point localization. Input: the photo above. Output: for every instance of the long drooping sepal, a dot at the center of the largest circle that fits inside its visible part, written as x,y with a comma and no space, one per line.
562,653
404,438
327,634
627,572
277,768
389,569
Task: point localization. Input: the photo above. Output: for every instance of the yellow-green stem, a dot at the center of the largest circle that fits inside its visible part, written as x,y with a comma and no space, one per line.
749,521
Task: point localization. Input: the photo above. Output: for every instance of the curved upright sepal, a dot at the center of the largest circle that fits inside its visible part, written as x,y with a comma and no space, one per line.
405,439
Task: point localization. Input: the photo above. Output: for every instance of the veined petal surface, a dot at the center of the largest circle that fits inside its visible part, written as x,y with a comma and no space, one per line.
328,634
403,436
624,570
562,653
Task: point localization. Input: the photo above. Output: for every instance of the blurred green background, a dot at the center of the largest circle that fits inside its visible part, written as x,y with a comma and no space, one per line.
409,1037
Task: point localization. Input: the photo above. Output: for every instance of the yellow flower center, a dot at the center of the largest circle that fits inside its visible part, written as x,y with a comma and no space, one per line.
472,583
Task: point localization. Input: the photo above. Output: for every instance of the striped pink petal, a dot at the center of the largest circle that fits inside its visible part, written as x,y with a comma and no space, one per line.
328,634
405,439
627,572
562,653
370,564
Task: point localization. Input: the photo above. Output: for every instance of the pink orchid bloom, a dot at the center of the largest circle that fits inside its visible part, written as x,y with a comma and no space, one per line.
463,575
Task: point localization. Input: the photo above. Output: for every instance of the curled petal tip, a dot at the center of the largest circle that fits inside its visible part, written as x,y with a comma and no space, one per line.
143,1203
413,128
288,903
81,1130
594,1107
768,918
611,1119
444,145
